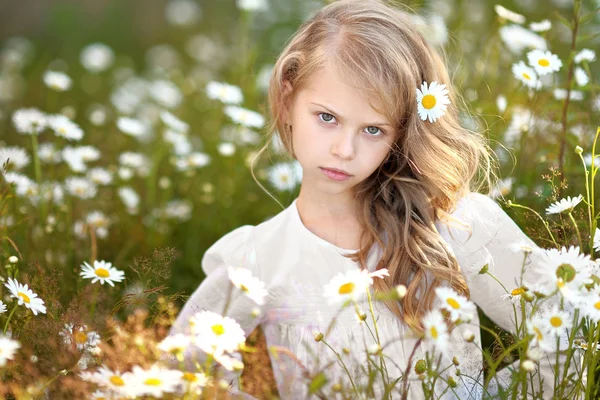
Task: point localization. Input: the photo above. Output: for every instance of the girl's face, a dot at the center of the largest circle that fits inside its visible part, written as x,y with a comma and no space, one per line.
334,126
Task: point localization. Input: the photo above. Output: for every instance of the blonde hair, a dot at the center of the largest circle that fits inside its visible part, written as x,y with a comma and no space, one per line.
430,166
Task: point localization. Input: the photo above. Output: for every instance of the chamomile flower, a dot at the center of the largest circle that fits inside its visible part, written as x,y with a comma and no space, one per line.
100,176
526,75
282,176
29,121
2,307
518,38
80,187
8,349
436,330
541,337
591,306
460,307
120,384
585,55
226,149
165,93
224,92
15,157
155,381
581,77
351,285
251,286
541,26
80,336
102,271
130,198
557,321
48,153
25,296
64,127
173,122
194,382
215,334
242,116
509,15
131,126
597,239
563,205
97,57
561,94
175,344
432,101
57,81
544,62
568,269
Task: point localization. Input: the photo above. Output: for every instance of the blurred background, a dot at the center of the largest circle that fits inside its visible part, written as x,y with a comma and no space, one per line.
169,106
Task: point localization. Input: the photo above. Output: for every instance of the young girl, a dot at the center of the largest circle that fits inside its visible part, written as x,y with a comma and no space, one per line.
387,176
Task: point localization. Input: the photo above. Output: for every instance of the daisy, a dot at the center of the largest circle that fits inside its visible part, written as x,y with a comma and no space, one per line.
436,330
282,176
215,334
561,94
591,305
133,160
116,382
175,344
173,122
563,205
15,157
180,210
432,101
194,382
25,296
130,198
79,335
351,285
99,221
64,127
131,126
224,92
515,295
585,55
460,307
88,153
57,81
544,62
526,75
557,321
165,93
29,121
48,153
155,381
251,286
540,334
517,38
79,187
192,160
541,26
226,149
100,176
8,348
597,239
73,157
581,77
97,57
228,362
245,117
566,268
2,306
102,271
252,5
509,15
182,13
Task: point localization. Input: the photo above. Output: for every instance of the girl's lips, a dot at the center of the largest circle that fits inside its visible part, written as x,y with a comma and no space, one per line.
335,175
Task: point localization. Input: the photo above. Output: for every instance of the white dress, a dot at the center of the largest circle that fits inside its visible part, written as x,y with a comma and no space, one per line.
295,264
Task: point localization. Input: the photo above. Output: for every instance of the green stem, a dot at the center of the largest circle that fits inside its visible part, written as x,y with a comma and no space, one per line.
576,230
342,363
9,317
540,217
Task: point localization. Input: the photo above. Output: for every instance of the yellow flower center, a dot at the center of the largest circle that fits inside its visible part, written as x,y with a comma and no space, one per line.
566,271
453,303
597,305
25,298
153,382
428,101
556,322
102,273
190,377
346,288
538,334
117,380
434,333
543,62
518,291
218,329
244,288
284,178
62,130
526,76
80,337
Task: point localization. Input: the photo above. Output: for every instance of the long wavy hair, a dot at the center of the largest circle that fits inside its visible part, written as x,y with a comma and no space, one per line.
430,165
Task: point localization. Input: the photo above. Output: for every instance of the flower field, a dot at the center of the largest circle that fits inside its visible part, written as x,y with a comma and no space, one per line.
127,153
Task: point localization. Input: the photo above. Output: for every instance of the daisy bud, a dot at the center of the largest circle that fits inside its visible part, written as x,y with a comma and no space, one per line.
318,336
527,365
468,336
457,372
451,382
374,349
401,291
578,149
346,350
484,269
361,316
455,361
528,296
336,388
420,367
535,354
223,384
13,259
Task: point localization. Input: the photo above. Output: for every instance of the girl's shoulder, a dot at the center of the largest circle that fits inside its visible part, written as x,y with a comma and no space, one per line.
474,222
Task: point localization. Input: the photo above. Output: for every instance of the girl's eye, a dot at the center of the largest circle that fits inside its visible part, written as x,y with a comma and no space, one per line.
373,131
325,117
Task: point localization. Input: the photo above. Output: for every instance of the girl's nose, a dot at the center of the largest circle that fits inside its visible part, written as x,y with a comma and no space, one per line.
343,145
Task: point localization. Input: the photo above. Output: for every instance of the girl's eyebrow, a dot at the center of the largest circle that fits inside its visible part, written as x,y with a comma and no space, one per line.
333,112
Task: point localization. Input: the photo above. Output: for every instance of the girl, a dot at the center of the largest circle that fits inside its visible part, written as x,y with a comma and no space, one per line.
357,98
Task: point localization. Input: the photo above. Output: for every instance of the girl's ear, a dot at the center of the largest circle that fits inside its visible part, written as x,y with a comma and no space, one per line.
287,96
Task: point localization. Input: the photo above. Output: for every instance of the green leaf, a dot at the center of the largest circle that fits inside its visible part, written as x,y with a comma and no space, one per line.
317,383
586,17
589,37
564,21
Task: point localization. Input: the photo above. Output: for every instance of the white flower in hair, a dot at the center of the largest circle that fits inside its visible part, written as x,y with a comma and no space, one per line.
432,101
